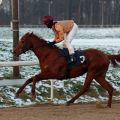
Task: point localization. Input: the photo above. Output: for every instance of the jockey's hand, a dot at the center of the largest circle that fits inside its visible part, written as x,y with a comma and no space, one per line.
51,43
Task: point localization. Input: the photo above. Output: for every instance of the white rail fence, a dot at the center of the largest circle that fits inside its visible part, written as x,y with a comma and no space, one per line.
21,81
18,63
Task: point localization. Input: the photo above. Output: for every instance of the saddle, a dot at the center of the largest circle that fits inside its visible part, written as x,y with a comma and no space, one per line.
79,54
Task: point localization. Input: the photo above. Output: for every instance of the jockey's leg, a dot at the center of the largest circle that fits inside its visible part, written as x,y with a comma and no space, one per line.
68,45
72,33
68,39
71,51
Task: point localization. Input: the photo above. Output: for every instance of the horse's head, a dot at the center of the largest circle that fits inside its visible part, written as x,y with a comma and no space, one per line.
24,44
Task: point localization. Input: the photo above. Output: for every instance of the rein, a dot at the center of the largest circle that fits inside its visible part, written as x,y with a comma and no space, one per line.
39,46
44,45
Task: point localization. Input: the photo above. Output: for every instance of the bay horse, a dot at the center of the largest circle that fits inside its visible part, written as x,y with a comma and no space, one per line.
54,66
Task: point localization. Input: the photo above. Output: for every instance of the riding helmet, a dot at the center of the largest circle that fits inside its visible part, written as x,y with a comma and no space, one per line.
47,19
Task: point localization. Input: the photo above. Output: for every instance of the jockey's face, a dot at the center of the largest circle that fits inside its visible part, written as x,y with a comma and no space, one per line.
49,24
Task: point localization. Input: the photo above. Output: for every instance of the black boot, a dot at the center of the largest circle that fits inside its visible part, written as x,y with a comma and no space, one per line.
72,58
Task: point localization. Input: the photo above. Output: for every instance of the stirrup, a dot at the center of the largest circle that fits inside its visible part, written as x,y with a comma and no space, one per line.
72,58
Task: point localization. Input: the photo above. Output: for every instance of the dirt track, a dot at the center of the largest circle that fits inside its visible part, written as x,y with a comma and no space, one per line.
61,112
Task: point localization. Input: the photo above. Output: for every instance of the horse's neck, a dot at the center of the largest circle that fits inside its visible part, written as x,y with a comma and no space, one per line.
40,48
38,42
43,53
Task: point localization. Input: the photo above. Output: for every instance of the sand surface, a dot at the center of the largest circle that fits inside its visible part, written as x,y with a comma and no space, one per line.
62,112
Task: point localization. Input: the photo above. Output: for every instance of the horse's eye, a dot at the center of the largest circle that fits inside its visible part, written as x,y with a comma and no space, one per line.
22,41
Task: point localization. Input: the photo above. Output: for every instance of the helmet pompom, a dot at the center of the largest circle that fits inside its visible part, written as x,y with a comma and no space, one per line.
47,19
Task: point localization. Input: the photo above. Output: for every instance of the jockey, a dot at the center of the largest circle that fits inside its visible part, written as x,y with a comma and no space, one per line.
63,30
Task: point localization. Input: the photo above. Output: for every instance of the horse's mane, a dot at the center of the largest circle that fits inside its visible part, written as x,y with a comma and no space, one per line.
41,38
38,36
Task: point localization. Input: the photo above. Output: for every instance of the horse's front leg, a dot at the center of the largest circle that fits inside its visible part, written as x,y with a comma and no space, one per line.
39,77
44,76
35,79
23,86
32,79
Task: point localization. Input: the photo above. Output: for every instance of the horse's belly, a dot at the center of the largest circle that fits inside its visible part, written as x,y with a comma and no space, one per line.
78,70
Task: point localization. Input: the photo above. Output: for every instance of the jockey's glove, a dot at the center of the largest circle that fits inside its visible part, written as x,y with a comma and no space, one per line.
51,43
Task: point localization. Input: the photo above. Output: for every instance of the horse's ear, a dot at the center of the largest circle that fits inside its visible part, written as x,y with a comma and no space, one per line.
27,33
31,33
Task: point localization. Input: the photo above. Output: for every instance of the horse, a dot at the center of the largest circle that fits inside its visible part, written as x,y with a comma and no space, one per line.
54,66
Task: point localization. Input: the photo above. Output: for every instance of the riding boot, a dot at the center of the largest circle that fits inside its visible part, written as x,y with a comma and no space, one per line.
72,58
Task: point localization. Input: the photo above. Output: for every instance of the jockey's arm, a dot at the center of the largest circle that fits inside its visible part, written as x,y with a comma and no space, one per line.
59,34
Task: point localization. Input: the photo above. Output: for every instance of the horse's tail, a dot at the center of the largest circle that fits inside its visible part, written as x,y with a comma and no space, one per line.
114,59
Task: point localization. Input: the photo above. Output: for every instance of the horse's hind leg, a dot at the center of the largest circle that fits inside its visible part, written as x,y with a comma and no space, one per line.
89,78
23,86
101,80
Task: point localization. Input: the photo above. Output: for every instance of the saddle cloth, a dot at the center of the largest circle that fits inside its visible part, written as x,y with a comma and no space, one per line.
79,54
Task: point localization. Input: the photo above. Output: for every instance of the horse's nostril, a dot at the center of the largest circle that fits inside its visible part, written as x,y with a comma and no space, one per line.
11,52
14,52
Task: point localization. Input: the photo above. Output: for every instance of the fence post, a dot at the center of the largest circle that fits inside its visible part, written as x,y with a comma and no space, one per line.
15,29
52,90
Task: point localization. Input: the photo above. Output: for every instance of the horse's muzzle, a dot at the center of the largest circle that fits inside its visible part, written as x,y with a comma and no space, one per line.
13,52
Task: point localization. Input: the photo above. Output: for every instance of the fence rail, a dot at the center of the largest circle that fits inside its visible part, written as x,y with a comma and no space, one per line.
18,63
21,81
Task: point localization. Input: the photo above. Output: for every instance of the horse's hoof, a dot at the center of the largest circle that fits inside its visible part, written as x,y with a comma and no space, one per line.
108,106
33,97
99,105
16,96
67,103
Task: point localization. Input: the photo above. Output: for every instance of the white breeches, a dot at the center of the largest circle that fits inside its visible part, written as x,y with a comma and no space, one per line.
69,37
